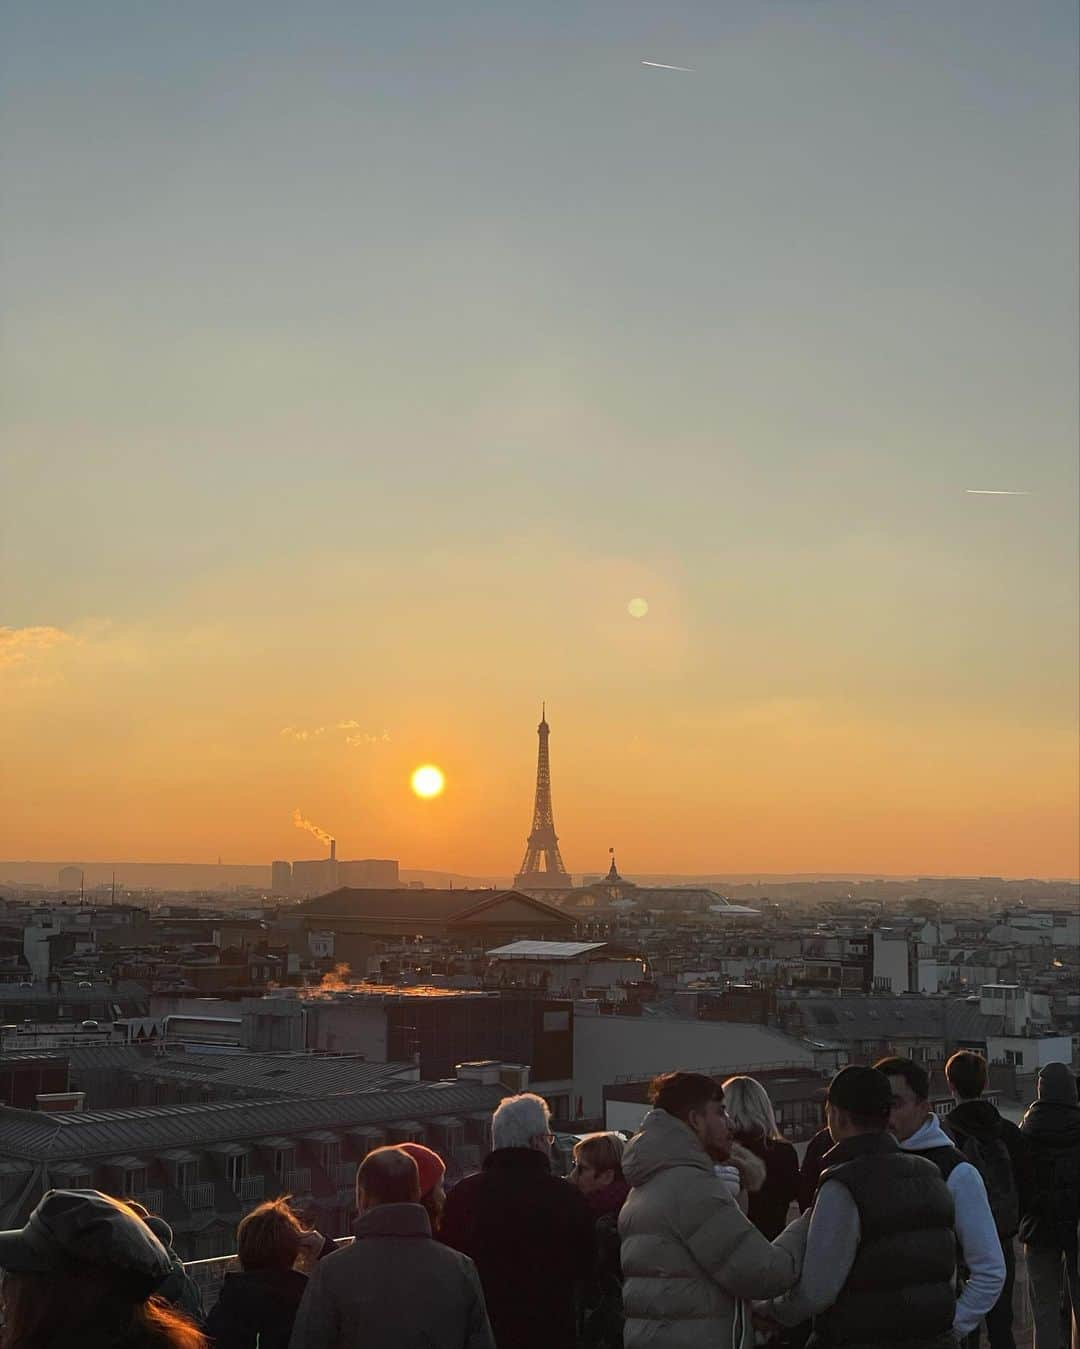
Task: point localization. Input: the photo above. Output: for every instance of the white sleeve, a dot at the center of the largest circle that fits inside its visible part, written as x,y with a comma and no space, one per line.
729,1176
980,1248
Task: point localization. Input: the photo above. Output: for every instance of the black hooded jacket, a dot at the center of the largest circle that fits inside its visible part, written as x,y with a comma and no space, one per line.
982,1121
1051,1130
261,1303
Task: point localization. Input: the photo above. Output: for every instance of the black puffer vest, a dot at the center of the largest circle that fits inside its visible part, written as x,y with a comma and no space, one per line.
900,1288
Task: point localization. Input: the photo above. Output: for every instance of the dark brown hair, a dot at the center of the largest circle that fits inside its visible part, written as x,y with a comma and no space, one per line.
914,1074
965,1072
44,1310
679,1093
269,1237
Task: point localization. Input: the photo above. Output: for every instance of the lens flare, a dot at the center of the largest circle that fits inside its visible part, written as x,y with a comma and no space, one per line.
637,608
428,781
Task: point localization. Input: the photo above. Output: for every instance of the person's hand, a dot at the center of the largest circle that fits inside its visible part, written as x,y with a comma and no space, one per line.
311,1244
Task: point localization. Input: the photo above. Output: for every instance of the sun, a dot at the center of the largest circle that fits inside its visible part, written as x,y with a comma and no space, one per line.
428,781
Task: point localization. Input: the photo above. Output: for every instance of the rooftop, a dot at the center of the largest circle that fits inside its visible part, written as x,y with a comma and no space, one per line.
547,950
36,1136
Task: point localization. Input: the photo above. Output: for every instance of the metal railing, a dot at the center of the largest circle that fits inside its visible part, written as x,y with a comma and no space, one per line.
249,1189
343,1175
151,1200
297,1181
200,1195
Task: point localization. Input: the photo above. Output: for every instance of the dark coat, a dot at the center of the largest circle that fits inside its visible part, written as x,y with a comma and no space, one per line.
260,1304
768,1207
602,1311
813,1161
394,1287
531,1236
1051,1130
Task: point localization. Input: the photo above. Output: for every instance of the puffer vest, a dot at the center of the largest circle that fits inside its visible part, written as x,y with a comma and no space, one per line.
901,1286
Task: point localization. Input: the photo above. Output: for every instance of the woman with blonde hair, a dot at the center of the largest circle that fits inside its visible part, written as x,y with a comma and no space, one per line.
753,1123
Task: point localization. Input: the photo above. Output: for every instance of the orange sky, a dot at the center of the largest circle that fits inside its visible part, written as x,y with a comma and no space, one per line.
361,371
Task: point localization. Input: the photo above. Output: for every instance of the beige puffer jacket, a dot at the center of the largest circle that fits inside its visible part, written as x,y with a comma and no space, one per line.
689,1253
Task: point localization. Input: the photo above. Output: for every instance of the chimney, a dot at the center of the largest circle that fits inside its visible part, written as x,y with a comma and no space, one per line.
333,850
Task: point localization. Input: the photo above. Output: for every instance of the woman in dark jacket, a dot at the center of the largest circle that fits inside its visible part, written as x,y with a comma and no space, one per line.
257,1306
598,1176
754,1125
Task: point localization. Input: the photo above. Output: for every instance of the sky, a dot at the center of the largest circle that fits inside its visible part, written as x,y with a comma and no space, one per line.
360,364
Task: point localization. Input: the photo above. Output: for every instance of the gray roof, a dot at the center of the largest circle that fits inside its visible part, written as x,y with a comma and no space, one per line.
441,906
99,1134
548,950
877,1018
102,991
272,1074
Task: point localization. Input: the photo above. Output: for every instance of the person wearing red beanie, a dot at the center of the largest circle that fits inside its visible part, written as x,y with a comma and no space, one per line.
432,1171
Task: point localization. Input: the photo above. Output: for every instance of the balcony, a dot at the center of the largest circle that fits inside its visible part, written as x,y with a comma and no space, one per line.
249,1189
295,1182
199,1196
151,1200
343,1175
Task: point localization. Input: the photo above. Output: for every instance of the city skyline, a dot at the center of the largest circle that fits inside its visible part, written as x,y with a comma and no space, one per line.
370,376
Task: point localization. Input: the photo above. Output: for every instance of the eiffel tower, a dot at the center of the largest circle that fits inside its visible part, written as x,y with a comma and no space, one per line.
543,867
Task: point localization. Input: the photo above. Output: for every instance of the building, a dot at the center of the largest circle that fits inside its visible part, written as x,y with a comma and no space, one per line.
1022,1034
280,878
369,873
438,1028
129,1076
616,896
609,1050
567,969
480,919
202,1166
854,1029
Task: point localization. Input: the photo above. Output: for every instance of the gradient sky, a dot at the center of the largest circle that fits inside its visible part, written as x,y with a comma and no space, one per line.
361,363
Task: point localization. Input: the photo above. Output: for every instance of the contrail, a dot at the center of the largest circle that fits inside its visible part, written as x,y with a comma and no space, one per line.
659,65
993,492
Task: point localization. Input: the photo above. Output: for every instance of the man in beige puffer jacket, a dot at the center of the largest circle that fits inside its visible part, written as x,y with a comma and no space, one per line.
691,1259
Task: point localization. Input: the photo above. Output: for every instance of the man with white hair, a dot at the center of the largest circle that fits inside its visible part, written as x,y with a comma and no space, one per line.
529,1233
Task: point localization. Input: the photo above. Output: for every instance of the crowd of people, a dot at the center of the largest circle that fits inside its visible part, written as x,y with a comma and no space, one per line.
703,1231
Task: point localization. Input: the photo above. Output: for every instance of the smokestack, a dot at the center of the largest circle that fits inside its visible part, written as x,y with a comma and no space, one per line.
333,850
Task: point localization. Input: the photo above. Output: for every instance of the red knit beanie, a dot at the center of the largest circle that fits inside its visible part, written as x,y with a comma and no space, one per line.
431,1166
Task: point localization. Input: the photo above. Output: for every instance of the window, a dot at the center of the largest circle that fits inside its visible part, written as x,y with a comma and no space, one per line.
187,1174
236,1169
135,1180
1015,1057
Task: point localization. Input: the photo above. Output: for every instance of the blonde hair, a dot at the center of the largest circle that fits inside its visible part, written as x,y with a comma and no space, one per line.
602,1151
749,1108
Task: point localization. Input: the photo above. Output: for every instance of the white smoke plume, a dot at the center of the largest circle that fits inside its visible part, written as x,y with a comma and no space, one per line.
302,823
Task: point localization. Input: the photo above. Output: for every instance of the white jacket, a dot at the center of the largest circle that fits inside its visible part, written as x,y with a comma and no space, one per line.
976,1231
